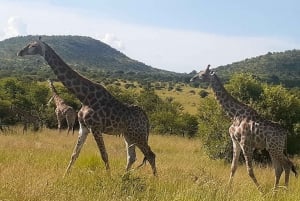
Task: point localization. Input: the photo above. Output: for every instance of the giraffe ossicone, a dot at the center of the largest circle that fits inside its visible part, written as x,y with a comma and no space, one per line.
100,112
250,131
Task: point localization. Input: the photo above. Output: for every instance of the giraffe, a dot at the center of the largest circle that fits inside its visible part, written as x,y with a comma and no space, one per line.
62,110
27,118
250,131
100,112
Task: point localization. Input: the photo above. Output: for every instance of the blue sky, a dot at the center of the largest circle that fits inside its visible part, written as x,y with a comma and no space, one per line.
178,35
233,17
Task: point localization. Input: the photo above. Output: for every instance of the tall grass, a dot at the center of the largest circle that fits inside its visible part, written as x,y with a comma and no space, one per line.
32,166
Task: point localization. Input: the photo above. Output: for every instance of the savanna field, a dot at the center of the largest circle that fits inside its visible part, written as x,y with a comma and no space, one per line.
32,166
189,129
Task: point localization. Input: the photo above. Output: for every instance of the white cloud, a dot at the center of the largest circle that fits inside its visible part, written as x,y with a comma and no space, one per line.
15,27
113,41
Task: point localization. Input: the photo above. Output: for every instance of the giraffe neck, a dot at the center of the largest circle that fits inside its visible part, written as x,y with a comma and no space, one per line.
58,100
231,106
85,90
55,97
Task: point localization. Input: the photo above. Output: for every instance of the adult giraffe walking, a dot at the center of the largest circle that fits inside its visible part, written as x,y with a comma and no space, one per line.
250,131
100,112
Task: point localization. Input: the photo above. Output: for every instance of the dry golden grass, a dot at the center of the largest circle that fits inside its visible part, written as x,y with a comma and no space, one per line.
32,166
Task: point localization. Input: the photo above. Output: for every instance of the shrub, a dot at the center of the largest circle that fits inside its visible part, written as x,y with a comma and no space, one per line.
213,129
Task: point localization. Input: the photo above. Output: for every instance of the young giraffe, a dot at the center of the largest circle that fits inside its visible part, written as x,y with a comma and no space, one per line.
62,110
100,112
250,131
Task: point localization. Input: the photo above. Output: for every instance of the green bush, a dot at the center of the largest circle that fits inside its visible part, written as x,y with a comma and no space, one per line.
213,129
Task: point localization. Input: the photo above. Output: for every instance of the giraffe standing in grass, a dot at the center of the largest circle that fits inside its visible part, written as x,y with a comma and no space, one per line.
250,131
100,112
62,110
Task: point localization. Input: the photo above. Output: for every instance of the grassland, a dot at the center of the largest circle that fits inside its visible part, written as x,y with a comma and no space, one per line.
188,97
32,166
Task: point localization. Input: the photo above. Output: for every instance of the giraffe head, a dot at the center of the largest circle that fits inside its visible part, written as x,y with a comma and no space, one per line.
33,48
203,76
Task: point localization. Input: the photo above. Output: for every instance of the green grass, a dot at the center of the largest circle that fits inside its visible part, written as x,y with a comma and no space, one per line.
32,166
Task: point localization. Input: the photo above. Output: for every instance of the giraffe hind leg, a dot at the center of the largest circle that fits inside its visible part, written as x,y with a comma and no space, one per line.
288,167
281,163
248,158
149,155
278,170
70,118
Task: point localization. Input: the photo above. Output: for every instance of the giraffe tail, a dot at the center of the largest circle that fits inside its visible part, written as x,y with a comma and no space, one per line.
143,163
144,160
294,170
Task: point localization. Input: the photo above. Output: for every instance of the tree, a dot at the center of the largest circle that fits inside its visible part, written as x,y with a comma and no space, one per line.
245,88
188,124
149,101
279,105
213,129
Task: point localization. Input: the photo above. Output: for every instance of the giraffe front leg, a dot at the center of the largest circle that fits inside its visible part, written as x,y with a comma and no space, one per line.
235,159
83,132
248,158
100,143
59,121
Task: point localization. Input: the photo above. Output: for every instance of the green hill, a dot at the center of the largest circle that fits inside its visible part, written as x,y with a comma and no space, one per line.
98,61
87,55
276,68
